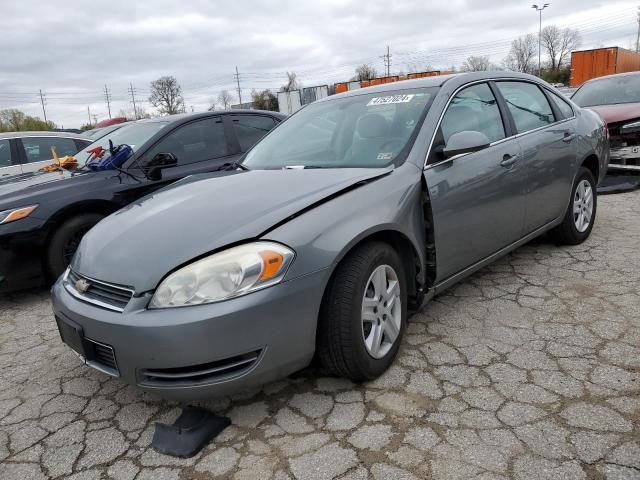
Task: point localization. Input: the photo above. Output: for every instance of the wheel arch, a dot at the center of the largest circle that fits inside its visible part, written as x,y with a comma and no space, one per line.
408,252
592,162
102,207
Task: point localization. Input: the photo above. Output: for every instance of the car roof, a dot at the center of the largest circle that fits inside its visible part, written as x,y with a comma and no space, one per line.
45,133
615,75
436,81
183,117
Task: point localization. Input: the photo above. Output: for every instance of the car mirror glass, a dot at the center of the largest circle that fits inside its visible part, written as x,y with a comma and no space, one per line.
160,161
465,142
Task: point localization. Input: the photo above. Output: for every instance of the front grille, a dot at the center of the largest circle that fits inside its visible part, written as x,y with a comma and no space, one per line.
101,356
198,374
112,297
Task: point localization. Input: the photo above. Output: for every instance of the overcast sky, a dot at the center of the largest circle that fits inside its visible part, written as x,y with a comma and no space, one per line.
71,49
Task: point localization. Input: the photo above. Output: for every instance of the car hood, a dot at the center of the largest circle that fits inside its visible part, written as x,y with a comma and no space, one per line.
138,245
15,190
618,112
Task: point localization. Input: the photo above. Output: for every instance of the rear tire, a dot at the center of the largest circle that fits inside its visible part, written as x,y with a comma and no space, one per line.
65,241
360,326
582,208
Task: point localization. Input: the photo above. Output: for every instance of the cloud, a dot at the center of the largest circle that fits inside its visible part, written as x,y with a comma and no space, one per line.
72,49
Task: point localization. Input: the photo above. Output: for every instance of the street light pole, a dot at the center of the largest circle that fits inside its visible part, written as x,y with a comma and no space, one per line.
539,10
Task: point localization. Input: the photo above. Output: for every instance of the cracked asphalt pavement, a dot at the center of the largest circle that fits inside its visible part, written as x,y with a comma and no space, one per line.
530,369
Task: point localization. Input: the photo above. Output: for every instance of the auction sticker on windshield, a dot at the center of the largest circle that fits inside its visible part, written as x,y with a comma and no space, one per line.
390,99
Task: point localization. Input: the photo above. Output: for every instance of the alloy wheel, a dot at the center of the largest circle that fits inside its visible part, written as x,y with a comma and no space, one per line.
381,311
583,206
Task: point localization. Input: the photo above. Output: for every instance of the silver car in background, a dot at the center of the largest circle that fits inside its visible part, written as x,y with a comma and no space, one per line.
22,152
355,209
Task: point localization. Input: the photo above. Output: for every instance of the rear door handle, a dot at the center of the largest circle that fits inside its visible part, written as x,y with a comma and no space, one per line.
568,137
508,160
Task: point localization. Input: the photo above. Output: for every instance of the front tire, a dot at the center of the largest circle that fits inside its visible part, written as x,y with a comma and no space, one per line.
364,313
64,242
581,212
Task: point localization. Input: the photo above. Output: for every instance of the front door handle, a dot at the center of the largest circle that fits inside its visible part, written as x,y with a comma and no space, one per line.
508,160
568,136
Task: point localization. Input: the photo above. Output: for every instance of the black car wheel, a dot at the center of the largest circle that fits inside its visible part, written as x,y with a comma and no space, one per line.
65,241
363,314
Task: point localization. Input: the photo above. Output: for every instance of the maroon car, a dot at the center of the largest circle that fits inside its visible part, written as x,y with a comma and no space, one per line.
616,98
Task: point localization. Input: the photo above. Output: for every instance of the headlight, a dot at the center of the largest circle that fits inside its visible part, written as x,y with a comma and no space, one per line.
14,214
231,273
630,127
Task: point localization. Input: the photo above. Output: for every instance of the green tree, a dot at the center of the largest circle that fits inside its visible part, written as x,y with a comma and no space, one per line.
13,120
264,100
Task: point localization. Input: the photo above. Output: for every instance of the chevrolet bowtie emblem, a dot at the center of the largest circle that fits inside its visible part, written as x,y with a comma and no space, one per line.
82,285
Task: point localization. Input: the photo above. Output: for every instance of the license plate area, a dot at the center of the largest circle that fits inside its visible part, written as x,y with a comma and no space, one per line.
72,334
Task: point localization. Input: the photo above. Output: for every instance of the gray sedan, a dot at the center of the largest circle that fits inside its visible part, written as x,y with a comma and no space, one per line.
354,210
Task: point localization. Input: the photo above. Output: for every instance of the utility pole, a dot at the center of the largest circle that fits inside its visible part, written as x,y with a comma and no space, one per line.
387,62
107,97
132,91
638,35
95,118
44,112
237,75
89,113
539,10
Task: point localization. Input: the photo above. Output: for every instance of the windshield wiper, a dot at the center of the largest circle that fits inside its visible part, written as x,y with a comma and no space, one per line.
232,166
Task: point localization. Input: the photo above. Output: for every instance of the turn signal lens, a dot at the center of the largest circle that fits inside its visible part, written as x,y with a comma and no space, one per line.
271,264
9,216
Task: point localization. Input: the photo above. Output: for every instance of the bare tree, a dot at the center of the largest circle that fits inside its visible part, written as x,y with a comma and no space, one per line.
365,72
166,95
224,98
129,114
476,64
292,83
559,44
522,54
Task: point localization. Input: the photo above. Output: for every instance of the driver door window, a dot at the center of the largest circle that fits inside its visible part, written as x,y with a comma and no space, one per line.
473,109
195,142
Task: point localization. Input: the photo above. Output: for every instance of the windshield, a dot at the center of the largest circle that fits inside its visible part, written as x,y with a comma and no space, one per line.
608,91
361,131
134,135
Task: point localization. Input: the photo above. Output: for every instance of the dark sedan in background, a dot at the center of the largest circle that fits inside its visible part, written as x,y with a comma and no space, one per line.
616,98
43,216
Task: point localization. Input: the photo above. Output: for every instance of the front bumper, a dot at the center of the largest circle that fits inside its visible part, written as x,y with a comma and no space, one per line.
21,251
625,158
205,351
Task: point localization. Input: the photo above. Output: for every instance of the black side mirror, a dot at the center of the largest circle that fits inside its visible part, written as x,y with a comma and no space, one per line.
465,142
156,164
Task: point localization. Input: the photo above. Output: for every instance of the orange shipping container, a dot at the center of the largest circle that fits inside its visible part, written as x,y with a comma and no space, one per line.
588,64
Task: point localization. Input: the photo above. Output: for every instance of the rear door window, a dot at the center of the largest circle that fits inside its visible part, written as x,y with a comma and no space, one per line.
38,149
528,105
563,106
251,128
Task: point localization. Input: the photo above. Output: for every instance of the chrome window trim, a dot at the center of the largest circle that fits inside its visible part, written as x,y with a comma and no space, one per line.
80,137
517,135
